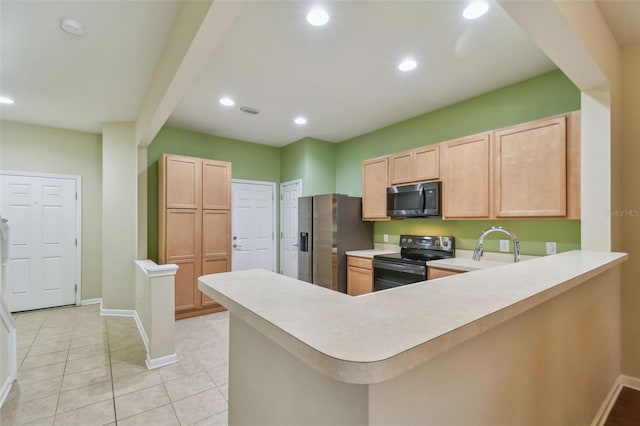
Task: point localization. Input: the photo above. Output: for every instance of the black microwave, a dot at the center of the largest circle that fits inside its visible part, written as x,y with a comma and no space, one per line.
416,200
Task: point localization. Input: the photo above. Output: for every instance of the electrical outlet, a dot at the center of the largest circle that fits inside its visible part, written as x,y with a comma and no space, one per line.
504,246
385,238
551,247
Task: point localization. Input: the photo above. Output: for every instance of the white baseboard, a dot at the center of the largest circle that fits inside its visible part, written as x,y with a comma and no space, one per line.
6,388
117,312
630,382
612,396
160,362
143,333
150,362
97,301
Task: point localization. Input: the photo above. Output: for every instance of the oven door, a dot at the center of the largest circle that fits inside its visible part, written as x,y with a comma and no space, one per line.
388,275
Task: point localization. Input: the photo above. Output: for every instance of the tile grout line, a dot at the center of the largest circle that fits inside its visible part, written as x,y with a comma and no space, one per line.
164,385
30,345
55,413
48,324
113,390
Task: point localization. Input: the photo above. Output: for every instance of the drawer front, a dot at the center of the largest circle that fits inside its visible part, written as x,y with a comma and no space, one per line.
360,262
434,273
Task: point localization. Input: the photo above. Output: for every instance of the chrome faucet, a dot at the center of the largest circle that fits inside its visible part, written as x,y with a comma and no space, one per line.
477,253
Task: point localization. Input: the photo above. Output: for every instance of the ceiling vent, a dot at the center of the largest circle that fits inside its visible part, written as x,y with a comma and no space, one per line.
249,110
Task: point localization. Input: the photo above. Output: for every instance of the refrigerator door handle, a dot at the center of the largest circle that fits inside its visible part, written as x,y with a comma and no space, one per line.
304,241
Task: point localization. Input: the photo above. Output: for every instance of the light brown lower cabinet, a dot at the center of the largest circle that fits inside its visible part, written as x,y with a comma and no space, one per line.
359,275
433,273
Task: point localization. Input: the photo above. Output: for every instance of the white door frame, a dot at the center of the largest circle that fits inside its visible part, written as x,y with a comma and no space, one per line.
299,182
273,197
78,251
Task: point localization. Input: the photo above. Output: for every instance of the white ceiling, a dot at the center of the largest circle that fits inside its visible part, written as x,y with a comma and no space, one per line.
61,80
342,77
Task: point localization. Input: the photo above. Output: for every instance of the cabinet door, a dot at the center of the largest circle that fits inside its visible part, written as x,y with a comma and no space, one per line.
213,266
186,294
434,273
359,275
573,165
426,163
401,167
182,248
216,250
182,182
359,281
182,235
216,185
466,180
216,233
375,179
530,174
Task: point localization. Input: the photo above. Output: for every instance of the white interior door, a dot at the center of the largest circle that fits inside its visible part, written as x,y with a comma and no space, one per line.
252,225
289,193
42,259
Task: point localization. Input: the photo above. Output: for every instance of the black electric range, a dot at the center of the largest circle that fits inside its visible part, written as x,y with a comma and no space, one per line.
410,265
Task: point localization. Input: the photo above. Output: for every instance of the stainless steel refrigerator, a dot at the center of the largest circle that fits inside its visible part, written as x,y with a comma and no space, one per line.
329,225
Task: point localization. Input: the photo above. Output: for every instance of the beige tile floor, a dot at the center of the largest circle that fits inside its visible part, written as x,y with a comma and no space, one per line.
78,368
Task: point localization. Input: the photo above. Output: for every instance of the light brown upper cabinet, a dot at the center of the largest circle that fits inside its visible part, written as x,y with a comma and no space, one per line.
183,189
530,169
527,170
466,177
375,180
573,165
415,166
195,226
216,180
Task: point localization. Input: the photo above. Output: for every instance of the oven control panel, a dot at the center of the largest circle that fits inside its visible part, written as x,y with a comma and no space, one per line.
427,242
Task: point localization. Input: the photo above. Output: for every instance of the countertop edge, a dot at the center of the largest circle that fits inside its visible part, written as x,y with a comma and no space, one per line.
374,371
464,264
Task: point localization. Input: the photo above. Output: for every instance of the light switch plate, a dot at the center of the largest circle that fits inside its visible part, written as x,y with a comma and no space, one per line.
385,238
551,247
504,246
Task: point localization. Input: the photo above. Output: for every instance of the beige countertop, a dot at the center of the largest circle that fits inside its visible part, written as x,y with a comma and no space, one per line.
465,264
370,253
378,336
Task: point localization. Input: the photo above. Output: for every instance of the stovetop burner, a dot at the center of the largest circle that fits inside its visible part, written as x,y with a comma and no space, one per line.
418,250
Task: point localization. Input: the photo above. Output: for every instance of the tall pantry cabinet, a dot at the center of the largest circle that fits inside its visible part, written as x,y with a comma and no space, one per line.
195,226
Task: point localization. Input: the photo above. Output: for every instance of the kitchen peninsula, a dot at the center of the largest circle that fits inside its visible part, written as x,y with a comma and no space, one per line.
535,342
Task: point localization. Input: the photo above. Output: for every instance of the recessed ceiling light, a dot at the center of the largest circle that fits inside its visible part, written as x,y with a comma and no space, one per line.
300,121
475,10
227,101
317,17
71,26
407,65
5,100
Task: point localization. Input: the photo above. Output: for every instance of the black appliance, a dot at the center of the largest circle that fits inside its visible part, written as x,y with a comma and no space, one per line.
410,265
416,200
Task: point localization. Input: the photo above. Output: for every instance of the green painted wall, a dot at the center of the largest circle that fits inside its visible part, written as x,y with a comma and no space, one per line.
532,233
542,96
313,161
325,167
250,161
